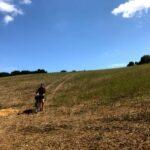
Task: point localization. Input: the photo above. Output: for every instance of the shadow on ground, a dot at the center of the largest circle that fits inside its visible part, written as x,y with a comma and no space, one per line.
28,112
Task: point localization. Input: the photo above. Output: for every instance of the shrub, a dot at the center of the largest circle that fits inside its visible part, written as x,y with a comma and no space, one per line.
131,63
16,72
63,71
4,74
26,72
40,71
23,72
145,59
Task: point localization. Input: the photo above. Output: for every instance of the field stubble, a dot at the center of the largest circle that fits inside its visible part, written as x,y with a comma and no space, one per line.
84,110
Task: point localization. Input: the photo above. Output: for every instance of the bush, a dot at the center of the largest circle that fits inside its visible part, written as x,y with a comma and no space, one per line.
26,72
145,59
23,72
40,71
4,74
16,72
63,71
131,63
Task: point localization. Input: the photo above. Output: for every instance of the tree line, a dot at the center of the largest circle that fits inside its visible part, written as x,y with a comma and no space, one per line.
144,60
23,72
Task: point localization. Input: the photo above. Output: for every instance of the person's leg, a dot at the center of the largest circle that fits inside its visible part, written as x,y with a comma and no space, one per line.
42,105
36,105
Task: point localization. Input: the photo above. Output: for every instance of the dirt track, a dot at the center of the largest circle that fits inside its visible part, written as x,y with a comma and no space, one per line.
58,87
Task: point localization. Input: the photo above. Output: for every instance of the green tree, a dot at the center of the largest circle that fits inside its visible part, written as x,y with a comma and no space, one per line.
131,63
145,59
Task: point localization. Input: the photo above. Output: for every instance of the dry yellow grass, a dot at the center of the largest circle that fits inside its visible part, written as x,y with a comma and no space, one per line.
8,111
68,121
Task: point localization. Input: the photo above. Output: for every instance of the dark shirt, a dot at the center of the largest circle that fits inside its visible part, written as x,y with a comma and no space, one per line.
41,91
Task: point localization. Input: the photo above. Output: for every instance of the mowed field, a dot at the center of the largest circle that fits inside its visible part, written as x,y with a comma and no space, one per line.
107,109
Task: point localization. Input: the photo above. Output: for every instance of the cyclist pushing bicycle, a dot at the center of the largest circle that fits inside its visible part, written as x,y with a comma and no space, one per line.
40,98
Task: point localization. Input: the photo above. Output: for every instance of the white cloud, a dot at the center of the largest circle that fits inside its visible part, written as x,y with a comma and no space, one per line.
10,9
132,7
117,65
8,19
6,7
26,2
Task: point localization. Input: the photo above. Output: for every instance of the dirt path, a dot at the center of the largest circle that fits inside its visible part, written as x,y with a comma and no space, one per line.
53,83
59,86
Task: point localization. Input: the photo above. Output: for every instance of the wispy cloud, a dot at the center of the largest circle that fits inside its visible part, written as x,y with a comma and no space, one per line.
8,19
27,2
10,9
117,65
132,7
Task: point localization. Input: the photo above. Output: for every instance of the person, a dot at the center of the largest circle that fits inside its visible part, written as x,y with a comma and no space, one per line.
40,96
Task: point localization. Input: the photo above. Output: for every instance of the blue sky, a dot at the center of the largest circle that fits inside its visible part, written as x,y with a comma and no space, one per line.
72,34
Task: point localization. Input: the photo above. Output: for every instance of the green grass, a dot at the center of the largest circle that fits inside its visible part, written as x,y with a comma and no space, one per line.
107,86
137,117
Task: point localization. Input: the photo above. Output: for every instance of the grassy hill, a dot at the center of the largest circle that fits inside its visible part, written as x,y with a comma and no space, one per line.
106,109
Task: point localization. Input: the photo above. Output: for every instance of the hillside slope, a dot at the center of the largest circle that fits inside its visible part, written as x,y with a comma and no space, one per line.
107,109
